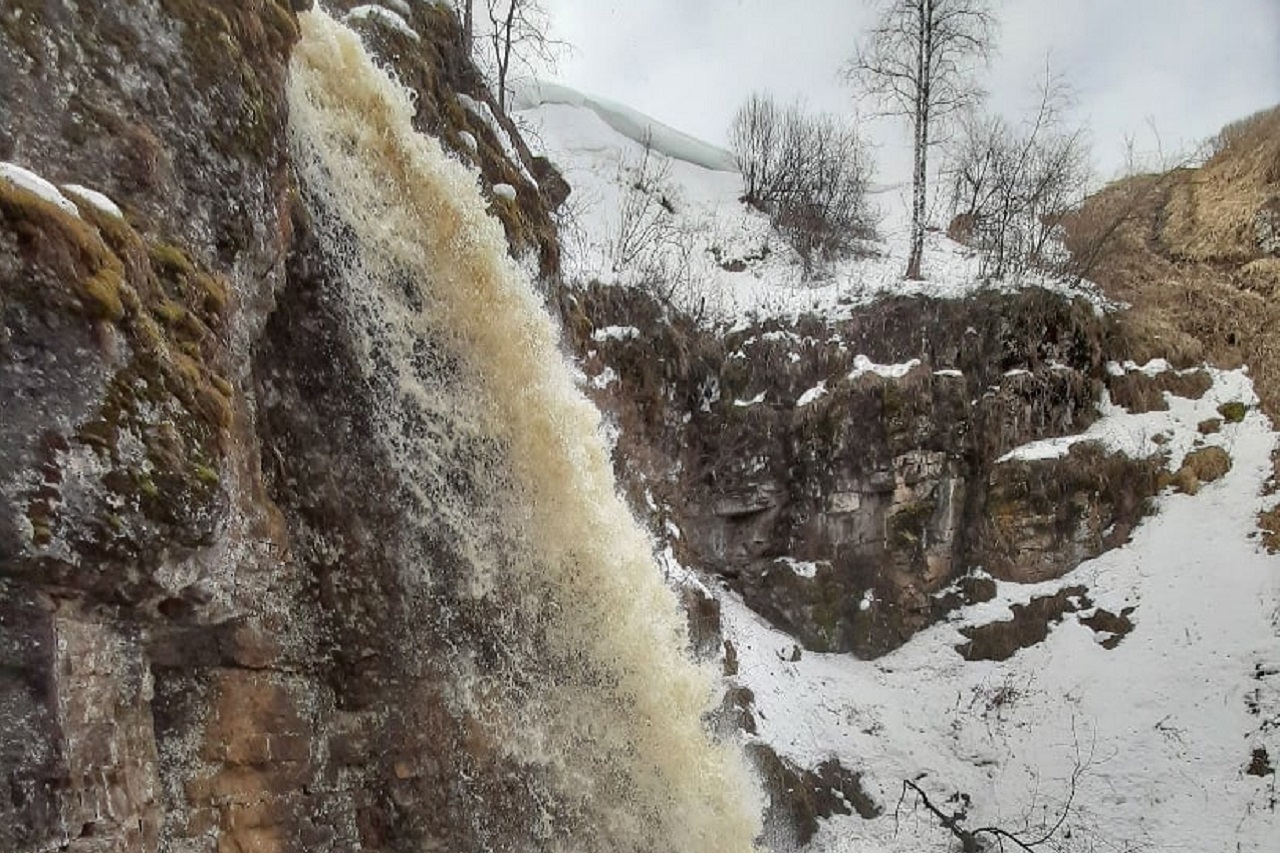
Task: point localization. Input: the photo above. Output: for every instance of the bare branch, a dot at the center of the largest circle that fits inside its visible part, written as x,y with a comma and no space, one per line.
514,35
918,62
1011,184
808,172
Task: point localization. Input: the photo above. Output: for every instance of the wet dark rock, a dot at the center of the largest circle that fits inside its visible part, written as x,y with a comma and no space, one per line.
1030,624
1111,627
205,638
887,489
1260,763
702,609
735,711
798,798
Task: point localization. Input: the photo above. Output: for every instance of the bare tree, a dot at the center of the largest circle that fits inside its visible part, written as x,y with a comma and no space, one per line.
653,248
518,33
1012,183
513,34
754,136
917,61
466,8
808,171
646,216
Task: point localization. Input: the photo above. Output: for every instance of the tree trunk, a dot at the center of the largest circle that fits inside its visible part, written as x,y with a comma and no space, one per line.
504,57
920,174
468,26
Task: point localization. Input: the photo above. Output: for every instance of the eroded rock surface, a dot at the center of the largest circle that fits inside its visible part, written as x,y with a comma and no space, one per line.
204,642
839,498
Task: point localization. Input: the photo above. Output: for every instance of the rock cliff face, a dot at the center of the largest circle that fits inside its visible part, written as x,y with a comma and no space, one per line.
133,527
185,662
842,476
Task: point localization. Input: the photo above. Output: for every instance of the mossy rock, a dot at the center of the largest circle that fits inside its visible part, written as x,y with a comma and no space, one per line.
1233,412
907,526
160,429
68,263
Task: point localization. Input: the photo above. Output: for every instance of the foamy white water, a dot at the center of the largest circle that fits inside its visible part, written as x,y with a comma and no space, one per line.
581,680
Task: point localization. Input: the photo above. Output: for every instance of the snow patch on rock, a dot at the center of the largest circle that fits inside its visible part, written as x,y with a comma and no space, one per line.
33,183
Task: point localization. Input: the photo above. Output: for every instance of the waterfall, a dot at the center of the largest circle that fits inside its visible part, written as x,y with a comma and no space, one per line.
568,655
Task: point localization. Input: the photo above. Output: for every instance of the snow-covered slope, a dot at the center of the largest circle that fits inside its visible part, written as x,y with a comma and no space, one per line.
1144,746
674,220
1147,745
629,123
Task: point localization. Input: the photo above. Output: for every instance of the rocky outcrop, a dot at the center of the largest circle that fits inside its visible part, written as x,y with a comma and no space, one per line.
798,798
1031,622
134,539
840,476
454,106
204,642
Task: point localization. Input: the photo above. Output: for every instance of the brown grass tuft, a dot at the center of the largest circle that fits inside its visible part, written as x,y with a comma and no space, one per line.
1180,249
1269,524
1208,463
1210,216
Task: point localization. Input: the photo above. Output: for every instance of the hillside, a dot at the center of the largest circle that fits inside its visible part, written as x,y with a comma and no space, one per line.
1194,253
1119,688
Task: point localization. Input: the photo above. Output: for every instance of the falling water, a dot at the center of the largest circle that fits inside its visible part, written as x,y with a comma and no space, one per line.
577,675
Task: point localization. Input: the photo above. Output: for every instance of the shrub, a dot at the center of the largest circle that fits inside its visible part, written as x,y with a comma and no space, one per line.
652,246
1233,412
1012,183
808,172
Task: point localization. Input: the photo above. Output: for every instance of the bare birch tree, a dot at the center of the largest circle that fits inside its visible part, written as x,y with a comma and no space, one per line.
518,35
918,62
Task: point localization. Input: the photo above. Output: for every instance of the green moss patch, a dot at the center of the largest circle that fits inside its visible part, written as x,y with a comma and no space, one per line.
70,265
167,394
1233,412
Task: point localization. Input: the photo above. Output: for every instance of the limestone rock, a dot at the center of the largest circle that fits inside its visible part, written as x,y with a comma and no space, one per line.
206,643
884,489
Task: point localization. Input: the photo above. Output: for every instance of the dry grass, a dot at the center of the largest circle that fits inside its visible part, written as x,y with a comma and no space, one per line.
1208,463
1181,249
1210,215
1269,524
1138,392
1202,466
1185,250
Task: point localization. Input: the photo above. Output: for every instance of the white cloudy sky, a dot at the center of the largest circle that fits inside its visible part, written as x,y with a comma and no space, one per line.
1184,67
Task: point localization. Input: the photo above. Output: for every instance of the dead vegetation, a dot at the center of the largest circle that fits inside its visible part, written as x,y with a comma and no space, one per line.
1194,252
1221,212
1201,466
1139,392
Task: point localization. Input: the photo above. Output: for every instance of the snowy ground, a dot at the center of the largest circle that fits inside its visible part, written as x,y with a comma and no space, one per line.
723,259
1158,731
1143,747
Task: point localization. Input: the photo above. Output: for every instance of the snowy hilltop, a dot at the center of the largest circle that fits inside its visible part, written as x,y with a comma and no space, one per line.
652,206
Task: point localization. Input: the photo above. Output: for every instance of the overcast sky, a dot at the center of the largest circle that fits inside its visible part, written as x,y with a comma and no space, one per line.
1185,67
